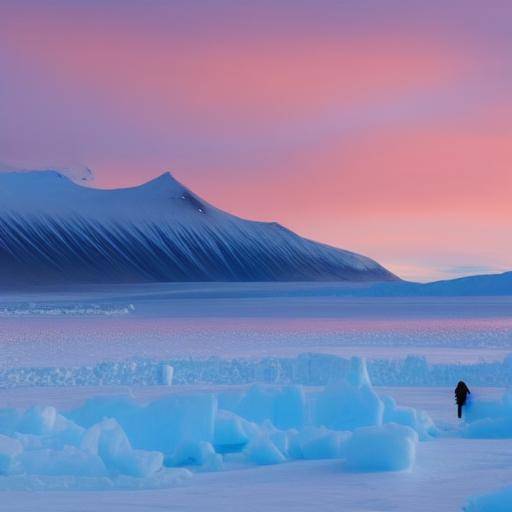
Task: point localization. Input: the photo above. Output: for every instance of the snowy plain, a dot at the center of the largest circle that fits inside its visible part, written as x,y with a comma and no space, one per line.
87,324
92,325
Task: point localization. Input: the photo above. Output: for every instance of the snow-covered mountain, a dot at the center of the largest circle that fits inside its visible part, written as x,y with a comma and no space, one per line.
53,230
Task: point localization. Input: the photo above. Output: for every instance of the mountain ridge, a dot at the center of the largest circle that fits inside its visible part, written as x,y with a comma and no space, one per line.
55,230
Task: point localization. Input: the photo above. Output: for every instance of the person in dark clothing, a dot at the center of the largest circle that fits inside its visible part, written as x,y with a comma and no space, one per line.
461,395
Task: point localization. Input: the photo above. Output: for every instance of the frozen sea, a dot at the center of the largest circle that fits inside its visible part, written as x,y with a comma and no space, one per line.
447,470
91,325
54,328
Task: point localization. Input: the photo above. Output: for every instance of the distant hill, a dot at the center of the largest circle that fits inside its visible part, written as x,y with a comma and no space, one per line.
491,284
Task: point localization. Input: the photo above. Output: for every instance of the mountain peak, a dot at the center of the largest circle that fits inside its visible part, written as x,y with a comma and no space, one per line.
165,184
165,177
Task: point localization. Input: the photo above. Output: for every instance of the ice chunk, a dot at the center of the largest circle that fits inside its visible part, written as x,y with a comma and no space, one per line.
489,428
498,501
290,408
318,443
327,446
161,425
94,410
489,419
108,440
262,451
191,454
231,431
65,432
30,441
358,373
284,407
10,448
420,421
257,404
480,409
388,447
278,437
120,440
38,420
350,404
165,423
9,419
167,374
196,454
68,461
139,463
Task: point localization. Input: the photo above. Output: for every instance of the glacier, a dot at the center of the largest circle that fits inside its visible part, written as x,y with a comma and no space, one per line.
53,230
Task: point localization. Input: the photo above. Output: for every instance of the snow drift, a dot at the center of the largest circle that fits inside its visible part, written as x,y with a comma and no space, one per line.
125,443
53,230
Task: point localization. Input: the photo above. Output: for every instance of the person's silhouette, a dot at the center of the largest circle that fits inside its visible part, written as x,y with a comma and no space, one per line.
461,394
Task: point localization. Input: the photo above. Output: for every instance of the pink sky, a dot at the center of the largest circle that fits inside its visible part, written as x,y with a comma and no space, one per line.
380,127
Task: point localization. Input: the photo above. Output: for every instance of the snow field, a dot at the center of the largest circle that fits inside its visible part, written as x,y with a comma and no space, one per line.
110,443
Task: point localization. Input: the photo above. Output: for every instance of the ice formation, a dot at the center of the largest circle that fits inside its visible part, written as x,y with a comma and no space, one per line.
489,419
497,501
390,447
309,369
32,309
357,403
262,451
114,437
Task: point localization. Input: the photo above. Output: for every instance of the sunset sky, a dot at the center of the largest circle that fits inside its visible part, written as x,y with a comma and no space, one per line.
383,127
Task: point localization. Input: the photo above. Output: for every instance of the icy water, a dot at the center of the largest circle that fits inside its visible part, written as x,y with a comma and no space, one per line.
55,328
